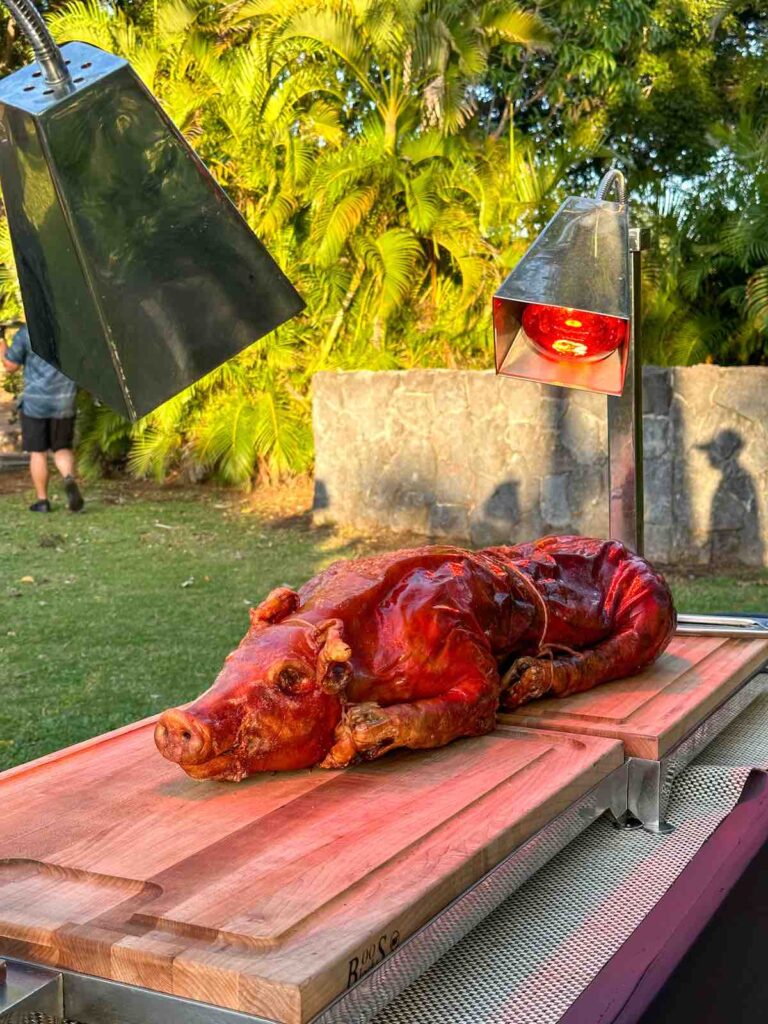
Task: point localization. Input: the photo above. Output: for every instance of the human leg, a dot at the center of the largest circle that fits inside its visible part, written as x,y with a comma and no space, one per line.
65,461
38,470
35,440
62,438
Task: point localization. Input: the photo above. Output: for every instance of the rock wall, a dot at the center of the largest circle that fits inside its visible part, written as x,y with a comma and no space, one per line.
472,457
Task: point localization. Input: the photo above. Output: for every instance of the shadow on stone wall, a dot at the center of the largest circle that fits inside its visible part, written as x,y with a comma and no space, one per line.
499,516
734,519
320,498
563,495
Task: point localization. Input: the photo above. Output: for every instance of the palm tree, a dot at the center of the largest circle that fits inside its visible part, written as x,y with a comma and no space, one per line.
259,135
395,214
407,61
708,272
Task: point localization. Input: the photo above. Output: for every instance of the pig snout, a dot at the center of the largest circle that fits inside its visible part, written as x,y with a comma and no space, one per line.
183,738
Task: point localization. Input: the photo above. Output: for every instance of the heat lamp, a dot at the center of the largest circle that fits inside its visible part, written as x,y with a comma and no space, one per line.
563,315
138,274
569,315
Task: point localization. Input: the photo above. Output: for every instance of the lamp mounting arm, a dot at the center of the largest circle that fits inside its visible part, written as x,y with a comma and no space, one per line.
47,53
613,180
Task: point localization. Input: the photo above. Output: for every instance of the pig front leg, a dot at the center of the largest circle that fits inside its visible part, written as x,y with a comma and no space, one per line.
468,708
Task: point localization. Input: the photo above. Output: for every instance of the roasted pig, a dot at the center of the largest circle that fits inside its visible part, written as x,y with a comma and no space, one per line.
417,648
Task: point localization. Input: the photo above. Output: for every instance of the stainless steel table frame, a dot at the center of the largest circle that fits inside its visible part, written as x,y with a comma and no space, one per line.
28,990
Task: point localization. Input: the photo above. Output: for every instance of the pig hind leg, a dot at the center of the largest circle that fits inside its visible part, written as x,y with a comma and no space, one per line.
643,624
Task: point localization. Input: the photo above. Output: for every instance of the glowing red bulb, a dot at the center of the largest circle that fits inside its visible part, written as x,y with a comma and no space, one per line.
561,333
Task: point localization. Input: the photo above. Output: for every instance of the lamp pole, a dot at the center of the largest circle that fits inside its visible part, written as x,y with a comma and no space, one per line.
625,420
625,411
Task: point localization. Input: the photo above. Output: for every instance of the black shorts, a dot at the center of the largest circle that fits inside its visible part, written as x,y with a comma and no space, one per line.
44,435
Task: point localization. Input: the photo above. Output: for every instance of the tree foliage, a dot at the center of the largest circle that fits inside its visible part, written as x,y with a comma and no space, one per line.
397,157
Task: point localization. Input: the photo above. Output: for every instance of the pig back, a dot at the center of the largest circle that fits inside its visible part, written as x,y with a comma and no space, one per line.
413,618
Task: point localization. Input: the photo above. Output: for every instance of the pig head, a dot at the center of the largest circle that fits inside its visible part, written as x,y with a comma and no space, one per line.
275,704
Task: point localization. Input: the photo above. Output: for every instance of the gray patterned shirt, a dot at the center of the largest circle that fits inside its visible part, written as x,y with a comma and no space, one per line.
47,392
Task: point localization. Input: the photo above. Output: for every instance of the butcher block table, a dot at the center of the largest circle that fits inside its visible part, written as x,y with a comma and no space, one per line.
653,711
274,895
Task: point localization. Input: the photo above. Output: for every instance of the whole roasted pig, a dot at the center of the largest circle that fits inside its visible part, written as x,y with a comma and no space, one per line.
416,648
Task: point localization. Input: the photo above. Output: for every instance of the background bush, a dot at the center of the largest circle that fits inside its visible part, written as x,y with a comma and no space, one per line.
396,156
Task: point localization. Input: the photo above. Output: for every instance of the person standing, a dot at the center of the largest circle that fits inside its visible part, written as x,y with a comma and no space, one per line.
47,407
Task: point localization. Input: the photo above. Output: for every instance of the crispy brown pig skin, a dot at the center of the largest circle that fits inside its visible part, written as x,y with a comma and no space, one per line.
416,648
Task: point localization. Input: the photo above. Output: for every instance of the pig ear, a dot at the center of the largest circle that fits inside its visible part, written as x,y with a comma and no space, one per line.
274,607
332,671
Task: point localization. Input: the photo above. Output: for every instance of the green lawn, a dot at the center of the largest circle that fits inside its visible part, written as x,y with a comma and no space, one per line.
115,614
131,606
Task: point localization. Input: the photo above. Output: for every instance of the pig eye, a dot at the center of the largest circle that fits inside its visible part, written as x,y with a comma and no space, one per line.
337,676
293,680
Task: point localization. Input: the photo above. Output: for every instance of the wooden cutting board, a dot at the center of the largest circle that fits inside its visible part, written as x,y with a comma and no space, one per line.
272,895
651,712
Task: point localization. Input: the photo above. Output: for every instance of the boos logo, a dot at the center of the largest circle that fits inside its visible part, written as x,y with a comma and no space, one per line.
371,957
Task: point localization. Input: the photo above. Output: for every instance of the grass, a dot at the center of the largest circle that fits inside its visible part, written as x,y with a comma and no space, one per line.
114,614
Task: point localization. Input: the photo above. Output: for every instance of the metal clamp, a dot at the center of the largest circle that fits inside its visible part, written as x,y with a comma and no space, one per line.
26,989
650,782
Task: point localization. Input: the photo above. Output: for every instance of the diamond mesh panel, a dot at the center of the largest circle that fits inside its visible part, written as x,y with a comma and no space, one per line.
33,1018
29,1017
745,741
527,962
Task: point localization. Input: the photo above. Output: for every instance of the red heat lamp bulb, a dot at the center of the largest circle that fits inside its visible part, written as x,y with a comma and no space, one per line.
561,333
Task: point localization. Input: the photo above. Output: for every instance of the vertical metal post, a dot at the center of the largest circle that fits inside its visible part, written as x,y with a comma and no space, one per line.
625,421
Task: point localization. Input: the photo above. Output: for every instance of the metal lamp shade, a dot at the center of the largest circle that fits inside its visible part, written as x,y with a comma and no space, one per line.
579,262
138,275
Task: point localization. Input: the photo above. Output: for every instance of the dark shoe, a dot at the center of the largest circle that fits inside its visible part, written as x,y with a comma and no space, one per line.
74,497
43,505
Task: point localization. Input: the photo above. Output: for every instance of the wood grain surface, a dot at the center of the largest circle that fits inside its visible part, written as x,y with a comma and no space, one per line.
651,712
269,896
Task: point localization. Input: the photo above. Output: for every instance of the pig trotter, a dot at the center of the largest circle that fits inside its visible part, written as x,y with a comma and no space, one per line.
527,679
364,732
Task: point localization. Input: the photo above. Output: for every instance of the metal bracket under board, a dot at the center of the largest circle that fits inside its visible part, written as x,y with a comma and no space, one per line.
650,782
85,999
26,989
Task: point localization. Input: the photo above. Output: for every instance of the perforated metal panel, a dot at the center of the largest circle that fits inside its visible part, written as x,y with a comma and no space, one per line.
41,1018
745,741
527,962
32,1018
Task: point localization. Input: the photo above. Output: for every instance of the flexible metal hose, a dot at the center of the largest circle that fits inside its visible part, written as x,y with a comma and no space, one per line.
47,53
611,179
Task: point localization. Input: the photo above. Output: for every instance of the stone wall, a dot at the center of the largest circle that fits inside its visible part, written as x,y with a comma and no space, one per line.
482,459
